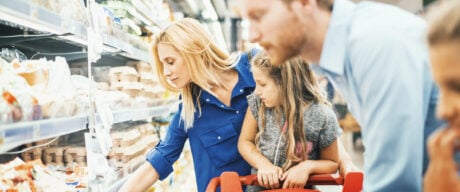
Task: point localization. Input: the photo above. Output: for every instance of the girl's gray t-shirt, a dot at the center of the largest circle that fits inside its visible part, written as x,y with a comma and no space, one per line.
320,124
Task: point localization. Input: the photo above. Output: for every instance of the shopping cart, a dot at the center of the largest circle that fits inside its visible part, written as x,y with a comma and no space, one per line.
232,182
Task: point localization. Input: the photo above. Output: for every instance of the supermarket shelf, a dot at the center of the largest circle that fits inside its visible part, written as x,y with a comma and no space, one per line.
16,134
13,135
144,10
128,50
137,114
30,16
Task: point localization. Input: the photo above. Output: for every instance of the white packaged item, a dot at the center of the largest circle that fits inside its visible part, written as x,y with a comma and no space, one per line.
17,102
60,81
54,156
75,155
141,66
123,74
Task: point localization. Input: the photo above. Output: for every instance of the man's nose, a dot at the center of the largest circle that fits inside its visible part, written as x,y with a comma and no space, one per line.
254,34
446,110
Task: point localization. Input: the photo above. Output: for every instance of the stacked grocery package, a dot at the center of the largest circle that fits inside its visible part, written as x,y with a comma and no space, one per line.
47,94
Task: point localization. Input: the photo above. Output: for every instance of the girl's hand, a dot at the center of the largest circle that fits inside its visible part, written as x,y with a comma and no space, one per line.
441,174
297,176
268,177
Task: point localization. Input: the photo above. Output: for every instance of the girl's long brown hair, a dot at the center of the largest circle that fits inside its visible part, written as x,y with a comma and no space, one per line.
298,89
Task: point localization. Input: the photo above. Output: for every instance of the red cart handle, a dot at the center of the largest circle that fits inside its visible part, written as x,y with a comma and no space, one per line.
232,182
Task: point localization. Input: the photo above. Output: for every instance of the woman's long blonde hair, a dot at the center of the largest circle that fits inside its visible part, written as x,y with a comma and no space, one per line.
297,89
204,60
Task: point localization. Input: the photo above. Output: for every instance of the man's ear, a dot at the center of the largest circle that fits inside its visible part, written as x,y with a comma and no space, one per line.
303,7
305,2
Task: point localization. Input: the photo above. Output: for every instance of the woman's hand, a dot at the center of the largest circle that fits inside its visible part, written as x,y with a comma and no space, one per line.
269,176
297,176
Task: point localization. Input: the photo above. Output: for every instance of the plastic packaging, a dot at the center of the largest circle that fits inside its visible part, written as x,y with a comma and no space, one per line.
9,55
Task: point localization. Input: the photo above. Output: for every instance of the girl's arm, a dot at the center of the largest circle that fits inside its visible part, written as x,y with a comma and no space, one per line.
297,176
267,174
346,165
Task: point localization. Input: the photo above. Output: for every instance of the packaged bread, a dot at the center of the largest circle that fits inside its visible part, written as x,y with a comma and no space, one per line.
133,89
33,71
125,138
141,66
147,78
75,155
123,74
54,156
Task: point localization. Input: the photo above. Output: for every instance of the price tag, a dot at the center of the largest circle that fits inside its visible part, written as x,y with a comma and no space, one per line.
2,137
140,115
36,130
105,114
95,45
34,12
153,113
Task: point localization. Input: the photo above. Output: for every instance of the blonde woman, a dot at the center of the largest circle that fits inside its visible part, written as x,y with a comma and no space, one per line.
444,146
213,89
290,130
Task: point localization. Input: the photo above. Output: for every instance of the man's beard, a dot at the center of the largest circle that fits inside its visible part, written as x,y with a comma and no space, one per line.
287,48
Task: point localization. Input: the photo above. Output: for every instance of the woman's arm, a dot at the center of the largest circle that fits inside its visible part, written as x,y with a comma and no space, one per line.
297,176
268,174
144,177
160,160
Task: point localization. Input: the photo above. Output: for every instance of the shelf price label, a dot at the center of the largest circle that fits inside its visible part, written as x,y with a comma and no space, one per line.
36,130
153,113
139,115
105,114
2,137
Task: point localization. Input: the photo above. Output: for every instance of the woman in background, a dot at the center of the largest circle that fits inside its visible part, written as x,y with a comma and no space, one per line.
444,146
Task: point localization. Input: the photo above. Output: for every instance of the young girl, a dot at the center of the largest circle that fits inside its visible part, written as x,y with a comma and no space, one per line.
290,130
444,146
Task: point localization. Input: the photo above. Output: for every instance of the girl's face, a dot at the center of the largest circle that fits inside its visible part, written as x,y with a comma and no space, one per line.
266,88
174,68
445,60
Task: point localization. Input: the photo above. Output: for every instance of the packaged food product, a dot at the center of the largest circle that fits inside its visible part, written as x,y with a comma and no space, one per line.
54,156
75,155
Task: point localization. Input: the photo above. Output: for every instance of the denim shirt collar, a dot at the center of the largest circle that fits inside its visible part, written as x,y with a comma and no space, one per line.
245,81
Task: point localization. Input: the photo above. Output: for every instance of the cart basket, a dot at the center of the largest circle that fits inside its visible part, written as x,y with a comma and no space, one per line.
232,182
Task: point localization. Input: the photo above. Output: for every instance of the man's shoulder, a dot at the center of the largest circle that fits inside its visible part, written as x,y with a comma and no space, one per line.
373,19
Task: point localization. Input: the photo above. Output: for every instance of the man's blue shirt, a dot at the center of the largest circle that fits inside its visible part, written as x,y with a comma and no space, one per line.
376,56
213,137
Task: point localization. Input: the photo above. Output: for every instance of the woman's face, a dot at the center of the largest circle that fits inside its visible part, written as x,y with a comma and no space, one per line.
266,88
174,68
445,61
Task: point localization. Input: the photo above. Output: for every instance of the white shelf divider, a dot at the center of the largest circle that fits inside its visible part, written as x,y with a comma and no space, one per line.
16,134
